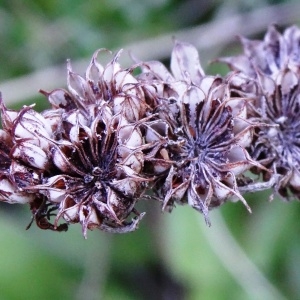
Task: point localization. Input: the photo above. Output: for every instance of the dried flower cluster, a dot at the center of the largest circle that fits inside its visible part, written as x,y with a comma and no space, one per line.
180,136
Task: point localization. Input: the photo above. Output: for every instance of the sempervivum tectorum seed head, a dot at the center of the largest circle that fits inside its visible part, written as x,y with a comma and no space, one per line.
207,134
271,67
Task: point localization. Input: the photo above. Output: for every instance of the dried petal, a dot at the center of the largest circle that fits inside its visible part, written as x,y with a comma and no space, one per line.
9,193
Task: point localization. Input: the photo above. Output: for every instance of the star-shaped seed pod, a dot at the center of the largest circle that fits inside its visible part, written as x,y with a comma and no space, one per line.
208,133
98,148
25,161
83,157
99,162
271,68
276,144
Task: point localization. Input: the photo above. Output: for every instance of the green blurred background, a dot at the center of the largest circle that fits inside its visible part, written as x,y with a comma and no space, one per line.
171,256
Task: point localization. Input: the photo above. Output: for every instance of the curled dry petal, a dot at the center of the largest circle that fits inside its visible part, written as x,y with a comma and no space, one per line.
30,155
185,63
269,56
33,126
9,193
110,84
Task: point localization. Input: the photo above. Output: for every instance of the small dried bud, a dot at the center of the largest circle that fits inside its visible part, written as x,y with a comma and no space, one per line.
21,160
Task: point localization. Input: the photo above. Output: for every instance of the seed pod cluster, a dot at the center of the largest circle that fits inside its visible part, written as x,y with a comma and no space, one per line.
179,136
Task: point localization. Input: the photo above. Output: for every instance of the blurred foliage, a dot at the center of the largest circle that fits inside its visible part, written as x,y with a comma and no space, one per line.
43,33
169,257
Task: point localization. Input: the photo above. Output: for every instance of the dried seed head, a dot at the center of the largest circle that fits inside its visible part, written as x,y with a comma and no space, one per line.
207,134
97,148
84,156
277,146
271,68
99,162
22,153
